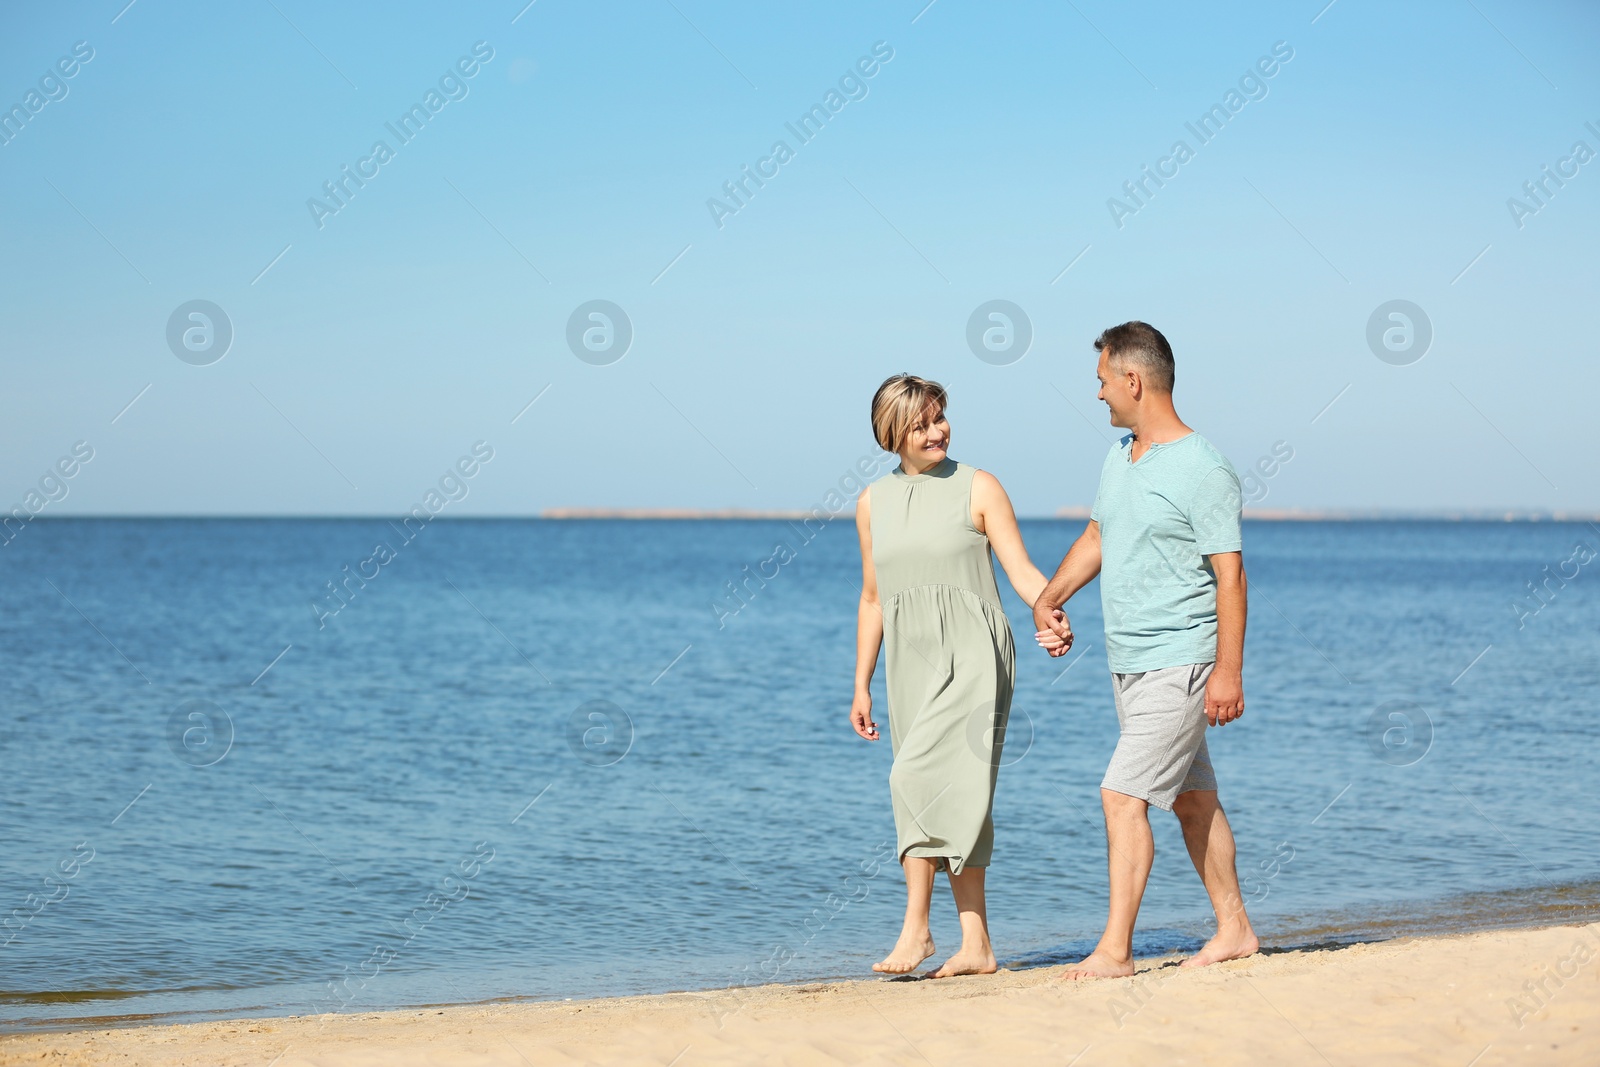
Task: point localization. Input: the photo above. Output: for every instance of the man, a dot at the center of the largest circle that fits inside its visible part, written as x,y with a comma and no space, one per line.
1164,538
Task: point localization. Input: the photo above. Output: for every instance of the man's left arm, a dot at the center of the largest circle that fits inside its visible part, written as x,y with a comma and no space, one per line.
1225,690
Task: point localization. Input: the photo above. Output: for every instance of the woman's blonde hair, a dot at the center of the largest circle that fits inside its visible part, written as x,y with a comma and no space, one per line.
897,405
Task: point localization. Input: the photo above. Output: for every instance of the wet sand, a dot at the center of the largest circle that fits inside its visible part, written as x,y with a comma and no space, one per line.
1487,998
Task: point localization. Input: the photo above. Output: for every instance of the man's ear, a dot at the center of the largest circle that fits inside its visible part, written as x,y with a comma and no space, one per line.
1135,384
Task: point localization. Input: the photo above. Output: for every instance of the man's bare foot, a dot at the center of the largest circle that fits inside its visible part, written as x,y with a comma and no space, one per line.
1098,965
908,954
1233,945
967,962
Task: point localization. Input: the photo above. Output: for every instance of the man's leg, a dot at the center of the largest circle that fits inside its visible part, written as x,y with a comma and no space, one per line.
1210,841
1130,850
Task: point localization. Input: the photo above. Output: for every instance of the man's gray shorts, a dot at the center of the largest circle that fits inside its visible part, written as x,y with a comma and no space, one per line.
1162,751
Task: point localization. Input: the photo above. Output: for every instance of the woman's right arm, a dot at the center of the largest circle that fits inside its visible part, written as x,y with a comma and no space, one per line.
869,626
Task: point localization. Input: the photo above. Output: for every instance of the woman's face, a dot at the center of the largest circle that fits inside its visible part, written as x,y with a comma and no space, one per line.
928,440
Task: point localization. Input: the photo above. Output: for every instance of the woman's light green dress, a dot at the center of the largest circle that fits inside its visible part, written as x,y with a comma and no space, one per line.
949,662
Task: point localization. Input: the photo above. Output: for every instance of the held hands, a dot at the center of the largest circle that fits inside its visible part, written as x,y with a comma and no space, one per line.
1055,632
1224,696
861,716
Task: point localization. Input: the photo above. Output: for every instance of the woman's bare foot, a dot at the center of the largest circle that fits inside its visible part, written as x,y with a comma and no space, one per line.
1227,945
967,961
907,956
1098,964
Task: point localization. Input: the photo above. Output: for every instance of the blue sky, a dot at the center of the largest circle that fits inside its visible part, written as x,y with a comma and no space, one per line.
575,165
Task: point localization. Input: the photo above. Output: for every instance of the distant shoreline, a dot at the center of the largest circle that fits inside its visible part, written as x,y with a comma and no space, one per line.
1082,512
1077,512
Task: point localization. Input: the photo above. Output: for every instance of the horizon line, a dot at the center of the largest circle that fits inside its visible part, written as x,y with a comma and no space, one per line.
1071,512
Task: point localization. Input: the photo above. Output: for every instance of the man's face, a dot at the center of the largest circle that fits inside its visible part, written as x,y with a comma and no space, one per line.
1115,390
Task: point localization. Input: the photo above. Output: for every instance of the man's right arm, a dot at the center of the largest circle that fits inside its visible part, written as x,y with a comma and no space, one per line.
1078,568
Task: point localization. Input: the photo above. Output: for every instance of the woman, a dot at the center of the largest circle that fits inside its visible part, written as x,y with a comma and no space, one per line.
928,594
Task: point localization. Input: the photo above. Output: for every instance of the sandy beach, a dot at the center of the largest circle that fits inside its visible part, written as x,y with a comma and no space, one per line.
1485,999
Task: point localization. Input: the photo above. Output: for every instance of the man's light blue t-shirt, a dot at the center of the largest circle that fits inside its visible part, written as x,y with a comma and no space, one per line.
1159,520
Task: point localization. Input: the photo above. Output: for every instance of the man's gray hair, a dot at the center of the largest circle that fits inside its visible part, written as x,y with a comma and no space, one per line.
1139,346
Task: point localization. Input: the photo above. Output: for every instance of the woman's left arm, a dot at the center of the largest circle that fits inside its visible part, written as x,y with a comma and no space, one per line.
993,516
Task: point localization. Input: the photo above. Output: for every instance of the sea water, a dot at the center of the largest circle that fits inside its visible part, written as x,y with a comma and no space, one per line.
252,767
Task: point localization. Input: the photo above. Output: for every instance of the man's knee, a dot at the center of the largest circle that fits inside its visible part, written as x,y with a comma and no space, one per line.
1196,805
1116,803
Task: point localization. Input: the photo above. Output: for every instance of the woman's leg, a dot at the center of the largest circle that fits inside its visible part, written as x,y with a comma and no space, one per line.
916,942
976,955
